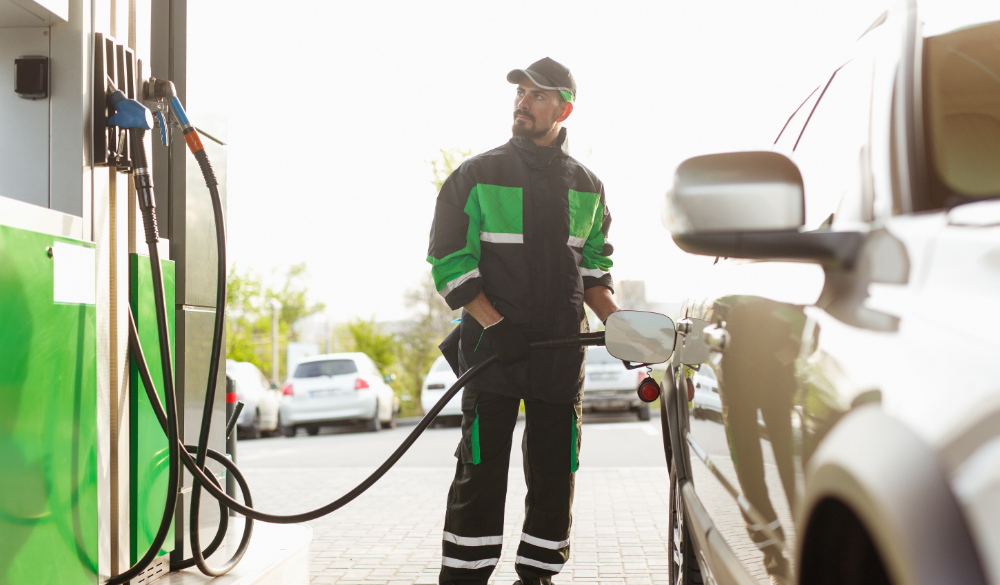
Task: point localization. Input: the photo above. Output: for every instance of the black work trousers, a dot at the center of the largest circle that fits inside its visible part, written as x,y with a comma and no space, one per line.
473,525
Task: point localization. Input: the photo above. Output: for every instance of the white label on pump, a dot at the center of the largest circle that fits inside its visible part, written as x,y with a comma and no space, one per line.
74,274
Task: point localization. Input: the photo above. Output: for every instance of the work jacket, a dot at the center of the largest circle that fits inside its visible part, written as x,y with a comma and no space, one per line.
528,226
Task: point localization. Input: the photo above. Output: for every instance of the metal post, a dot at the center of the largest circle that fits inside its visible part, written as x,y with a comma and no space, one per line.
275,306
231,439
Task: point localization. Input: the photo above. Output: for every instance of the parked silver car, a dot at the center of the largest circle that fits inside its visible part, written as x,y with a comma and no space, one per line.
261,401
337,388
609,386
856,351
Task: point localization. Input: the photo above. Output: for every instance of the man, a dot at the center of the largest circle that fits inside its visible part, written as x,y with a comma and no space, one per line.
519,240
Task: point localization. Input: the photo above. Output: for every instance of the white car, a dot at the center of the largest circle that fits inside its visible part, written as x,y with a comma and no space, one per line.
335,388
437,381
707,402
608,385
261,401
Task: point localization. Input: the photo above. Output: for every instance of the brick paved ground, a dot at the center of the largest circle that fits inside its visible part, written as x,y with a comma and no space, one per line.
392,533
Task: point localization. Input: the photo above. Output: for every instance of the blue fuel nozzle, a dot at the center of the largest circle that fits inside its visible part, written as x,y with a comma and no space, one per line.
129,113
164,130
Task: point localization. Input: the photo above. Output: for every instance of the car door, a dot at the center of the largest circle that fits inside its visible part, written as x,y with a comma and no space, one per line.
753,451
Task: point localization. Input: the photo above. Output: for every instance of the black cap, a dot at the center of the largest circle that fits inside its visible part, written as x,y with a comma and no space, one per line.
547,74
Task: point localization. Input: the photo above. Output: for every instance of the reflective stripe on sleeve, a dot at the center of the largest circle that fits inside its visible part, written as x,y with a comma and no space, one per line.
576,242
472,540
592,272
498,238
474,273
541,542
459,564
539,564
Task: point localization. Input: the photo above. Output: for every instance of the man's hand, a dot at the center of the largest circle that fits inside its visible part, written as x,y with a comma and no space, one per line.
601,301
508,342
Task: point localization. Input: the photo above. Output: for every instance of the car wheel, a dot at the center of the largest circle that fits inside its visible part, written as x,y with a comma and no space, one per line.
643,412
374,425
287,430
312,430
684,568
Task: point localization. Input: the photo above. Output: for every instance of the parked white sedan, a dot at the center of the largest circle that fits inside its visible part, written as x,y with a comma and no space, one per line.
260,401
336,388
608,385
707,402
437,381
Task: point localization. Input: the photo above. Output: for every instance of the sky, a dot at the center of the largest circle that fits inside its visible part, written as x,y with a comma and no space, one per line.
336,110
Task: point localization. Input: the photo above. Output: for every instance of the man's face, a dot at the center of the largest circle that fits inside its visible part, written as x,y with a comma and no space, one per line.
536,110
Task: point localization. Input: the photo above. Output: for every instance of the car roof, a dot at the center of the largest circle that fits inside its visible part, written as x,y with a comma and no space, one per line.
349,355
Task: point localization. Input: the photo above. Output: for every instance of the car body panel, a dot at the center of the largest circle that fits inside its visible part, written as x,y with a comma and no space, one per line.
437,381
608,384
259,399
873,382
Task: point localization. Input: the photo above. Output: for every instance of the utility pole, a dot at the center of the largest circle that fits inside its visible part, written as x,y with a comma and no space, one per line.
275,307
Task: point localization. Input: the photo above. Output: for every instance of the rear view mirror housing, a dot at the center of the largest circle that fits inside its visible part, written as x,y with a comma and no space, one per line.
640,337
749,205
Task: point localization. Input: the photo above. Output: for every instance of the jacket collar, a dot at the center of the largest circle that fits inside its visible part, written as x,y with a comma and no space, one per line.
541,156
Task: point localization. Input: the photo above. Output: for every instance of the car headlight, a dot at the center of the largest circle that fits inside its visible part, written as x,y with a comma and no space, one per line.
977,486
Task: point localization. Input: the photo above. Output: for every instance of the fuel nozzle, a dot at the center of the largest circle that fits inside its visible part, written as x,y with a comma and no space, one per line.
129,114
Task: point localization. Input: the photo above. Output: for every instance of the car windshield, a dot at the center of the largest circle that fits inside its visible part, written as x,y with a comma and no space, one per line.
325,368
962,113
600,355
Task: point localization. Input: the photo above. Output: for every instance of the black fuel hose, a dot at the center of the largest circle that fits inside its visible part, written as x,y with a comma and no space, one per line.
180,453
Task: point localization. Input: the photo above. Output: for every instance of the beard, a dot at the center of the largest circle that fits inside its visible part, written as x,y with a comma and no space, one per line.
521,129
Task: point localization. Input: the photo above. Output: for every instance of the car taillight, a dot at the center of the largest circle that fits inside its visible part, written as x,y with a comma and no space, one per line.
435,386
642,375
360,383
648,390
287,390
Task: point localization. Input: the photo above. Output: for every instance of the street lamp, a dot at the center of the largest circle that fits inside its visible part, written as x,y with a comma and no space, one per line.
275,307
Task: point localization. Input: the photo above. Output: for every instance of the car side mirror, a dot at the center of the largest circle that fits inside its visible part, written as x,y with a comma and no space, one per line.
389,378
749,205
640,337
736,192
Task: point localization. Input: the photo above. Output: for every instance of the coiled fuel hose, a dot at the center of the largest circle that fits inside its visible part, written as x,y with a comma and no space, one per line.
194,456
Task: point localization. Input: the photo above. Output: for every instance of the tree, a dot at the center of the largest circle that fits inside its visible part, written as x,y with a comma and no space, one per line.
248,314
369,340
446,164
418,342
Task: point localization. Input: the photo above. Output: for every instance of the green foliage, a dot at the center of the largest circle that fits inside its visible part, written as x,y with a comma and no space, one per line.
248,315
446,164
369,340
418,341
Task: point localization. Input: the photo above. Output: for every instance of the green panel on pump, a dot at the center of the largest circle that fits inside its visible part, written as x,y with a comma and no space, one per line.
48,409
149,448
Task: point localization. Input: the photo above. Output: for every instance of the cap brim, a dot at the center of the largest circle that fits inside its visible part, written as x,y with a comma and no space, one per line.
538,79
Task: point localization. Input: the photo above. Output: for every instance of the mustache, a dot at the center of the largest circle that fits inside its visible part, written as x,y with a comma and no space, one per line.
524,113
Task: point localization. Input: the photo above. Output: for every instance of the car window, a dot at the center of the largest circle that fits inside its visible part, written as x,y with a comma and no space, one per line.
599,355
325,368
829,150
962,114
441,365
